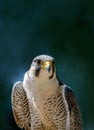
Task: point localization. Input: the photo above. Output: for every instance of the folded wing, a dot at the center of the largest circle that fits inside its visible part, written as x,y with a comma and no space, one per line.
20,106
74,111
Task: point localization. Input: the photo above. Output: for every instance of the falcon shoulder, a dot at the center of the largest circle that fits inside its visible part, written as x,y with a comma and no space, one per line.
74,111
20,106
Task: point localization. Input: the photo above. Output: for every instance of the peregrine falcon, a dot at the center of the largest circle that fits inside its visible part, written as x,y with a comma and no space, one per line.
42,102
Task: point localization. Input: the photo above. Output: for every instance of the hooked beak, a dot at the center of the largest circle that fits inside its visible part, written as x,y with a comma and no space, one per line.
47,66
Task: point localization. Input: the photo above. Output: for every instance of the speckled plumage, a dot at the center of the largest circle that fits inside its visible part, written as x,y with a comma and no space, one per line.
42,103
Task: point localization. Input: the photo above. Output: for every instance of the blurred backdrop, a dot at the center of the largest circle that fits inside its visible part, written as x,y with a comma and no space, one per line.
63,29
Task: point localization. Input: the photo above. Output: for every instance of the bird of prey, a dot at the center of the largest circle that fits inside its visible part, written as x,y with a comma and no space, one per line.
42,102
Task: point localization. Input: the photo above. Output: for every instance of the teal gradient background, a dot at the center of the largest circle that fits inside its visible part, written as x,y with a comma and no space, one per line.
63,29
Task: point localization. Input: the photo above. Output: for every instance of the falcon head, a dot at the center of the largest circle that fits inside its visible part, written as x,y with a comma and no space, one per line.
43,67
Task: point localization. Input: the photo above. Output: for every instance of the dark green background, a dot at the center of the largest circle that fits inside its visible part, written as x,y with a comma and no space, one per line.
63,29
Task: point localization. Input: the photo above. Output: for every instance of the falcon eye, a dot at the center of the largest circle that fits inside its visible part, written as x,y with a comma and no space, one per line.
53,61
38,61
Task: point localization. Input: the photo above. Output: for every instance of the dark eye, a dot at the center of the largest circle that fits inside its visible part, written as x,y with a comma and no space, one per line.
38,61
53,61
